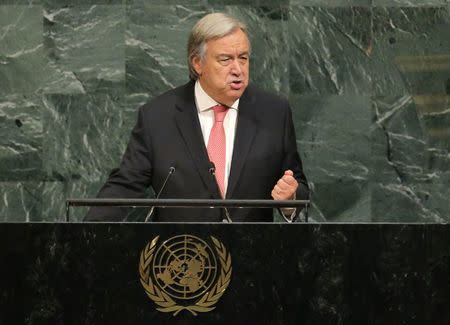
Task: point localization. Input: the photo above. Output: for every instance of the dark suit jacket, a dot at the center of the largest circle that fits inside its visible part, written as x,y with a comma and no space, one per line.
167,133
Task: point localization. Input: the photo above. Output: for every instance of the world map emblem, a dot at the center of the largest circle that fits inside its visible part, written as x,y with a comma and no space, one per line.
185,273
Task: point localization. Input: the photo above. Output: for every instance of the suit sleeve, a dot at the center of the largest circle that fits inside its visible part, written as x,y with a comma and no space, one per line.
292,158
131,179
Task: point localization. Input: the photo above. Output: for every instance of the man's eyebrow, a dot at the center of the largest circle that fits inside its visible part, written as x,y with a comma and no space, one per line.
231,55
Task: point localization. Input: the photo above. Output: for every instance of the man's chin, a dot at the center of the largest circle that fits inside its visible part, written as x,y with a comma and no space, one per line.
229,96
235,94
230,100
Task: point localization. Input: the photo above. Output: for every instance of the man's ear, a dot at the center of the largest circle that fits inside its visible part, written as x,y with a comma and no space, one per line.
197,64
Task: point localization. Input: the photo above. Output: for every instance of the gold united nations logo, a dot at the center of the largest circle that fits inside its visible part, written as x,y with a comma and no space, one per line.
185,273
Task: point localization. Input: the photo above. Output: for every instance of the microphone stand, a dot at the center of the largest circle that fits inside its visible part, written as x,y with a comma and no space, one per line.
150,213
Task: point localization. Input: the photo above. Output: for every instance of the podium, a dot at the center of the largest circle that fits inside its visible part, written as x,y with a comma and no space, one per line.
78,273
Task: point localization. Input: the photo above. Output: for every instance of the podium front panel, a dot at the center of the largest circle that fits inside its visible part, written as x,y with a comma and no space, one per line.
138,273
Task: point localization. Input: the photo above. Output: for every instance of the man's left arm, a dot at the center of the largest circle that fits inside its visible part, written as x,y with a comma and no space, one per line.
292,183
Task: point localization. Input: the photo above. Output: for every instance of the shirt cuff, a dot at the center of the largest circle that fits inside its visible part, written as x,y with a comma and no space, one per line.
289,212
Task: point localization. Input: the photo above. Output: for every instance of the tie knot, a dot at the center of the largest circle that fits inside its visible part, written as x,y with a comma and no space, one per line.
219,112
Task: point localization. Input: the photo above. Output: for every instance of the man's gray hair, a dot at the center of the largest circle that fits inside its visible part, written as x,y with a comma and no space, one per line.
211,26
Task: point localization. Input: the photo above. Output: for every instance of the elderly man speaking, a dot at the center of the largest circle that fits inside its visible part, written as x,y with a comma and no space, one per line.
217,121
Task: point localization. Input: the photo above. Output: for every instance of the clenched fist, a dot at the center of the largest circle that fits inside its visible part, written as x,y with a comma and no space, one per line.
286,187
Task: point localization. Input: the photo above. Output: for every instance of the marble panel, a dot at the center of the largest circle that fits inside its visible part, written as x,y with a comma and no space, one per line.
333,136
20,2
22,64
21,136
328,3
368,50
156,38
65,2
410,202
412,132
84,2
85,136
54,195
398,142
330,50
413,44
409,3
245,3
86,43
20,201
341,201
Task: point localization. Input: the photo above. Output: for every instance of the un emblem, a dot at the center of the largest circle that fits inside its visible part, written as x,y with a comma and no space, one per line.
185,273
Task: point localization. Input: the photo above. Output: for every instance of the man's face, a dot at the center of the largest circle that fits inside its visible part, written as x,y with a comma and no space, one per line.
223,73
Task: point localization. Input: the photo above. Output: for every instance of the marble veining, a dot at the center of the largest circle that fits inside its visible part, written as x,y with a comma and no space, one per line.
367,80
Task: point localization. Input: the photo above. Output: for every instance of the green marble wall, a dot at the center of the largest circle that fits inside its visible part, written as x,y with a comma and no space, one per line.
368,81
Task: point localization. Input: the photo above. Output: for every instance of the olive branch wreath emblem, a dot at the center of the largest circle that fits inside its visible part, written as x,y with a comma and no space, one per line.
165,302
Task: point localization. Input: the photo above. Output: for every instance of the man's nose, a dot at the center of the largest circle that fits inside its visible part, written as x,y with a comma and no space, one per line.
236,68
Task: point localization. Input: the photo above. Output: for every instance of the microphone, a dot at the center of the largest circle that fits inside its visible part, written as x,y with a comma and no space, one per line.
150,213
212,171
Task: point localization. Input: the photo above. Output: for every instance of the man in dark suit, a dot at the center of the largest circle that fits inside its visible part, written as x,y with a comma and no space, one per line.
246,133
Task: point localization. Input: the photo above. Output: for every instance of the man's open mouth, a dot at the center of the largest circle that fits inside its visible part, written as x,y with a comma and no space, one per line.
236,84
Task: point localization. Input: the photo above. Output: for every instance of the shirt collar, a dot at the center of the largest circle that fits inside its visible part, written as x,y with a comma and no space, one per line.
204,102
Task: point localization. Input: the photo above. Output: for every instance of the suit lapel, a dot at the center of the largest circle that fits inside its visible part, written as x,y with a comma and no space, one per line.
189,127
245,134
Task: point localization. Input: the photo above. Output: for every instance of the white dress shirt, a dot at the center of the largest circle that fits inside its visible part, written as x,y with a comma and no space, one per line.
206,117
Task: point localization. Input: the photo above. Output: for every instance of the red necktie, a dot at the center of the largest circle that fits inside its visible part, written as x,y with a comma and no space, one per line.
217,146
